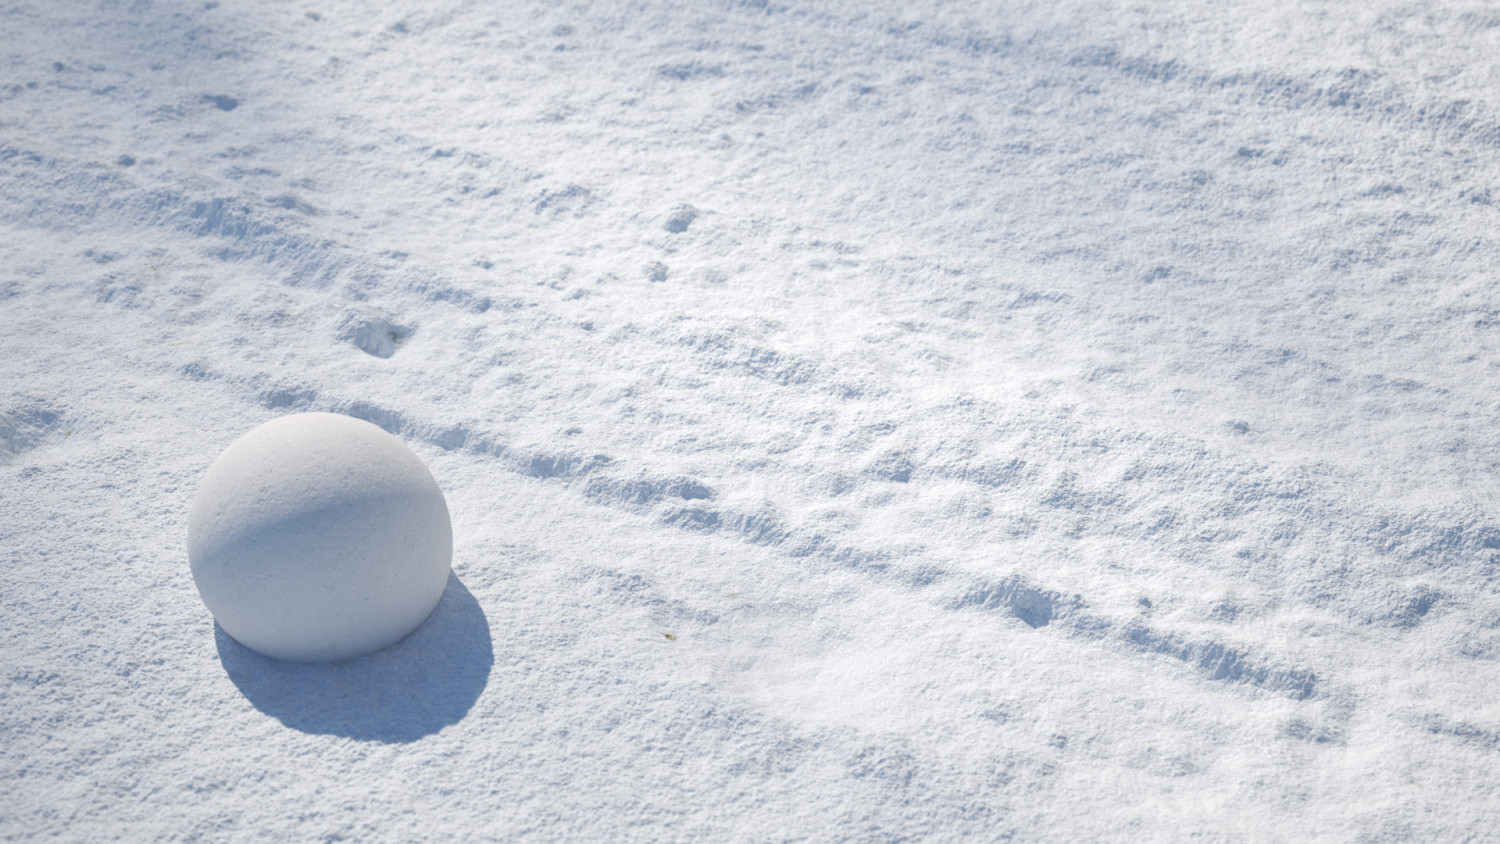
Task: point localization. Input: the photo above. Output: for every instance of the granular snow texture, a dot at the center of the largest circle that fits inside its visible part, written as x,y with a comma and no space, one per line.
1059,421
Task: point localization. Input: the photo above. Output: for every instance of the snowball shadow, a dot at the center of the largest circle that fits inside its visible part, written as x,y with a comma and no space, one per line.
411,689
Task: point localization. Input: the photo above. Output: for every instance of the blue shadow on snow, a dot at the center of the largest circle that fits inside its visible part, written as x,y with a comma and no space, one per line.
411,689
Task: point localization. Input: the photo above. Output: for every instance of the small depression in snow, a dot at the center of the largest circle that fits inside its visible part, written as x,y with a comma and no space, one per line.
375,335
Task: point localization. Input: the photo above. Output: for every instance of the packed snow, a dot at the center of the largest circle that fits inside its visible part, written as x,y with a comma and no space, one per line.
318,537
1049,421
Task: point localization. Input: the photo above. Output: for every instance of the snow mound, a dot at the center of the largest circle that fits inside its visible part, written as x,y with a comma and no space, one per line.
319,537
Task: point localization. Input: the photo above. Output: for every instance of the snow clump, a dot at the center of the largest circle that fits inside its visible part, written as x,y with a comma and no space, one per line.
319,537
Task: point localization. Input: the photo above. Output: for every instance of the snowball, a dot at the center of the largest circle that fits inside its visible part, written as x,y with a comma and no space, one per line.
319,537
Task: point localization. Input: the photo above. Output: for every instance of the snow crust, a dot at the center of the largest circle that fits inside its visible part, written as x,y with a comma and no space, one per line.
1046,421
318,537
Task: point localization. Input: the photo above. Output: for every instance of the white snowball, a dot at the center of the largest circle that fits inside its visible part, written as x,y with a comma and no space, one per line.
319,537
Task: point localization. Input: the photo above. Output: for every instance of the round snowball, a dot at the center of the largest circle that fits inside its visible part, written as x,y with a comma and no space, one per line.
318,537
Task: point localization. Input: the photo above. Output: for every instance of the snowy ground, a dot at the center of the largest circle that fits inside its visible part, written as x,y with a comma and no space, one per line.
1060,420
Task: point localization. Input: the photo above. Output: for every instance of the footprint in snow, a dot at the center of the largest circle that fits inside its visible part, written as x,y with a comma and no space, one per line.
679,218
24,426
375,335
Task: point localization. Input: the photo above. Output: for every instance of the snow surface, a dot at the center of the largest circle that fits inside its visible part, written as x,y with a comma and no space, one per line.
318,537
1061,421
